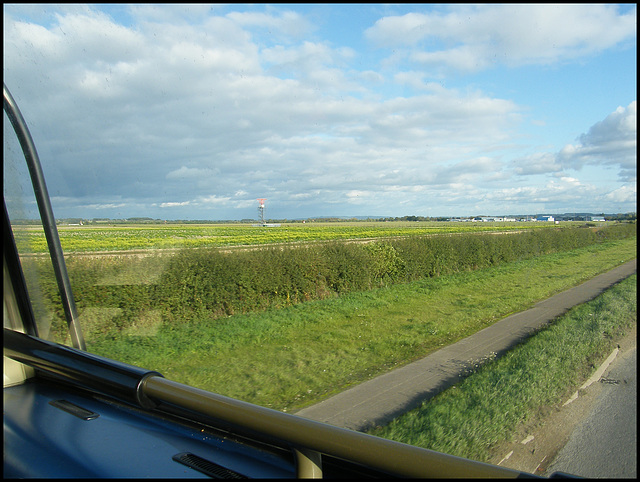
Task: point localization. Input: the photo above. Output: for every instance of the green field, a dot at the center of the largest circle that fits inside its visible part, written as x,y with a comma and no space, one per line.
172,236
475,416
288,326
287,358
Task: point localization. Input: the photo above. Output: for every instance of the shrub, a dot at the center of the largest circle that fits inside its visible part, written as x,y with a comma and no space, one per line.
210,283
385,265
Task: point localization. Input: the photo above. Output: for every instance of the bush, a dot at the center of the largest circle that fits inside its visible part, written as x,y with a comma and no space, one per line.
385,265
209,283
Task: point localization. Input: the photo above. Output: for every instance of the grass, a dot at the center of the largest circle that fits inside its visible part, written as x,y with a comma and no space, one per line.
485,408
292,357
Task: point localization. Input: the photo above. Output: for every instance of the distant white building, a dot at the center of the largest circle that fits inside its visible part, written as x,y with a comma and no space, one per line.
597,218
494,219
545,218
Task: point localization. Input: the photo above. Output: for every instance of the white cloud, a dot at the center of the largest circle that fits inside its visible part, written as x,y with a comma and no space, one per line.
105,206
417,80
190,173
178,103
170,13
538,163
286,24
464,58
610,142
315,63
472,37
624,194
468,170
212,200
555,194
175,204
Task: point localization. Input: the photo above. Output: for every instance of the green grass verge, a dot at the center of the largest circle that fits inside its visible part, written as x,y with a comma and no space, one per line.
486,407
292,357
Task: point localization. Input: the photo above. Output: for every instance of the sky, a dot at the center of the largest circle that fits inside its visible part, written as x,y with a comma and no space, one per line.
196,111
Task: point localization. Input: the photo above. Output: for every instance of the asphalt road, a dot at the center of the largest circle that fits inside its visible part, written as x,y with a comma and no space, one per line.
604,444
592,434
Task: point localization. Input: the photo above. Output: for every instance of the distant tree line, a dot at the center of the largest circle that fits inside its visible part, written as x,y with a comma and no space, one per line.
620,217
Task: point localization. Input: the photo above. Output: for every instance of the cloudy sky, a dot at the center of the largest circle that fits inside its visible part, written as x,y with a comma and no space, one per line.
194,112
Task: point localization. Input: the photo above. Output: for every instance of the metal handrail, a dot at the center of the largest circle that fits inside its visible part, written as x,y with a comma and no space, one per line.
308,439
394,458
46,214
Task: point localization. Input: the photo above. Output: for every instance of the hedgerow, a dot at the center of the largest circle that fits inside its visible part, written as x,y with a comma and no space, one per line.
209,283
212,283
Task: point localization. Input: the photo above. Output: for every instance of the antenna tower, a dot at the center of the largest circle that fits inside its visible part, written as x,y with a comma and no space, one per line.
261,209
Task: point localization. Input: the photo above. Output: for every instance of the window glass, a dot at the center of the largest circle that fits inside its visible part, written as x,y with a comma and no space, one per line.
168,133
30,241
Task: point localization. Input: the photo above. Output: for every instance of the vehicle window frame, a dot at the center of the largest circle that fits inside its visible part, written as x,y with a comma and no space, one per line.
47,219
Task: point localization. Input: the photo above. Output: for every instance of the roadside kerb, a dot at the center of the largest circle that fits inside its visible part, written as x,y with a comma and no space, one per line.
595,377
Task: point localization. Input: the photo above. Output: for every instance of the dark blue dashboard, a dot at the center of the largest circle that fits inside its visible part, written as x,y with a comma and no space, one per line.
53,432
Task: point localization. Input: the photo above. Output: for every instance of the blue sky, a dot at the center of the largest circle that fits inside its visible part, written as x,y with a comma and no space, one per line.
195,111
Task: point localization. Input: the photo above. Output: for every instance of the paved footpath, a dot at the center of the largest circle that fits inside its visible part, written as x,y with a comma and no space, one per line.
383,398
